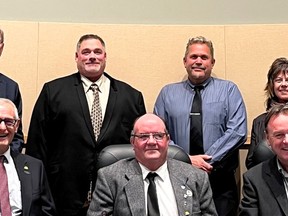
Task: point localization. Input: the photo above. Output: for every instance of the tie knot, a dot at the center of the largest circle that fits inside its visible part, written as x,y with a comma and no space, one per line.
198,88
94,87
2,159
151,176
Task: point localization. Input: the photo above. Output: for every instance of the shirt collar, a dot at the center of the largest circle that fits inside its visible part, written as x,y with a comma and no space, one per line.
281,169
162,171
205,83
8,155
87,83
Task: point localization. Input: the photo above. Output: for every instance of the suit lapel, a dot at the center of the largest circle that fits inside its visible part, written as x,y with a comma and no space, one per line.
135,191
113,94
22,167
183,193
2,87
83,103
275,181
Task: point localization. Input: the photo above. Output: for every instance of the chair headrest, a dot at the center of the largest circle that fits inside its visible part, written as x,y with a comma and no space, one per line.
262,152
113,153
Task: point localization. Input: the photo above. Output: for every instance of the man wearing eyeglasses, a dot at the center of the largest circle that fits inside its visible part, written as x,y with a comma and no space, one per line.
123,187
10,89
265,188
23,186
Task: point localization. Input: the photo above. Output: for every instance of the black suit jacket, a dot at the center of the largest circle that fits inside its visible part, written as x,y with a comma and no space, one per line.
61,135
35,192
9,89
264,191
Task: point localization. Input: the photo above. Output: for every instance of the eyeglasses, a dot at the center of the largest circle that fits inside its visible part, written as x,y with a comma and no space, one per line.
146,136
9,122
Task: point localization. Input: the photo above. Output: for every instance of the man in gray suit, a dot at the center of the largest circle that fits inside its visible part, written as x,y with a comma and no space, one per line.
121,188
265,187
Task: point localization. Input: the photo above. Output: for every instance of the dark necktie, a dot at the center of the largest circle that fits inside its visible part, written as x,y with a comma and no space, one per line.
4,193
196,136
96,112
152,201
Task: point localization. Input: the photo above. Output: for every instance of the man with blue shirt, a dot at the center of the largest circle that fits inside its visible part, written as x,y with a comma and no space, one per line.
224,124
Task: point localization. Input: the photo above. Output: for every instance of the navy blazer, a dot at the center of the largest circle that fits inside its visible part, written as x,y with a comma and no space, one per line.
61,135
9,89
35,192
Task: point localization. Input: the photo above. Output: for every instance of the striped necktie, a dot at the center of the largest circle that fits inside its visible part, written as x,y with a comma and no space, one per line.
4,193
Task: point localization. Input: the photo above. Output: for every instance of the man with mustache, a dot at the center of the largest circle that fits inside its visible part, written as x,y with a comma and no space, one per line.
223,124
62,132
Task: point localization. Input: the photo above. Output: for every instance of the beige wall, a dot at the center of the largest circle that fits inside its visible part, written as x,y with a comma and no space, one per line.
145,56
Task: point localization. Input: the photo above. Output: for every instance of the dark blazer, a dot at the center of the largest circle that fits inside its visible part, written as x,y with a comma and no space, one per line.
35,192
264,191
61,135
258,149
120,190
9,89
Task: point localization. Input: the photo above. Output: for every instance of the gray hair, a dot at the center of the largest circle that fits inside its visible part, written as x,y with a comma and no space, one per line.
7,101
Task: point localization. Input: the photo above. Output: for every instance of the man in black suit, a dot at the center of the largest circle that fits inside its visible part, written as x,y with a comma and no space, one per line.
29,193
10,89
61,132
265,188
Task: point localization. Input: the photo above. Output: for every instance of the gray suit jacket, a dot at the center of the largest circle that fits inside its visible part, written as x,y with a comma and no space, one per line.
263,191
120,190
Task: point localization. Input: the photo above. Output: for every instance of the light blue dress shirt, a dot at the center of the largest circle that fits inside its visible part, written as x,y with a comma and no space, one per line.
223,115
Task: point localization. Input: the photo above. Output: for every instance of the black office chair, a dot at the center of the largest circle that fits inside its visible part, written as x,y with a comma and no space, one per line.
262,152
113,153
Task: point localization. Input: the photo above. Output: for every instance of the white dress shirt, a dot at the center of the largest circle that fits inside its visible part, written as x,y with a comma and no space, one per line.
14,185
165,193
103,84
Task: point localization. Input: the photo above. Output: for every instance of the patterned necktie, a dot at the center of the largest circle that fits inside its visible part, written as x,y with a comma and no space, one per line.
96,113
4,193
196,136
152,201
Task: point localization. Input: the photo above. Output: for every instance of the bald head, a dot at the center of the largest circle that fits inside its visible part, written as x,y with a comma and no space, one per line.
149,119
150,140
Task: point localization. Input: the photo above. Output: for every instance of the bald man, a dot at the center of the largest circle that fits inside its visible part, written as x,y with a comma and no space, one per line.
121,188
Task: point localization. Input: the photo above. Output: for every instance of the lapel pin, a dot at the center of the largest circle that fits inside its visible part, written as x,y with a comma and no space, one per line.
26,169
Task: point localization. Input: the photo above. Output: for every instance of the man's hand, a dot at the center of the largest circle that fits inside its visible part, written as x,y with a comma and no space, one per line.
200,161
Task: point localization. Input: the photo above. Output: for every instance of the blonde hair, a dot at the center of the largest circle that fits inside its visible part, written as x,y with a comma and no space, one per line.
199,40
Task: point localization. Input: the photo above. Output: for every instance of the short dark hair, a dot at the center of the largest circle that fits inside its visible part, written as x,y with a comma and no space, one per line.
89,36
275,111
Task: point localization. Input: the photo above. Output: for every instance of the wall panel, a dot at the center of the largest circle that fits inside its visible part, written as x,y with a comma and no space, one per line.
145,56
